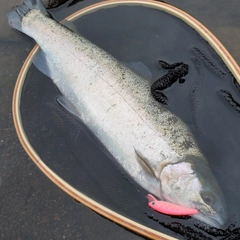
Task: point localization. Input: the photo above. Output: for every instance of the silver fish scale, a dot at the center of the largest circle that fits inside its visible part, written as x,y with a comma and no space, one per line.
114,102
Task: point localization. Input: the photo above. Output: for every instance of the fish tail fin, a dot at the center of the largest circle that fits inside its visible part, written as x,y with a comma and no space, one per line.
16,15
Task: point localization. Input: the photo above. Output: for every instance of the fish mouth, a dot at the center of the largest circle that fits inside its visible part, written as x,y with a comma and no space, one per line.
217,221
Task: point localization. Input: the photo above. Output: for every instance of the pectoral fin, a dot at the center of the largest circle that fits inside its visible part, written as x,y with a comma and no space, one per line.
143,161
151,181
139,68
66,104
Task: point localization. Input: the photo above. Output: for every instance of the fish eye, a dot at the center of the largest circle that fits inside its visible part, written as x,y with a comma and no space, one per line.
153,203
208,198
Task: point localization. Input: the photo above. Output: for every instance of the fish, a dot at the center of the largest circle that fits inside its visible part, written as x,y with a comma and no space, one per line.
169,208
114,101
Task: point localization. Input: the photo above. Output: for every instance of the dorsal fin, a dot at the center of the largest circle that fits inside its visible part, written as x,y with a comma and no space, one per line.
139,68
70,26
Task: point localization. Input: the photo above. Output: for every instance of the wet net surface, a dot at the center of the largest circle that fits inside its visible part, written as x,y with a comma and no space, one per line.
67,147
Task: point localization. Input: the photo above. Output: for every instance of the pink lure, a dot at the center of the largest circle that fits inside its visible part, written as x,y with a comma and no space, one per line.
169,208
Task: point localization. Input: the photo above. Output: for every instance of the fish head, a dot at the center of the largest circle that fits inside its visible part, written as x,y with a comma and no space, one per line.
191,183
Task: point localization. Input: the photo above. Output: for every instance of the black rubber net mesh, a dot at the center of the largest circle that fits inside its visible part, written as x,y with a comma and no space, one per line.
207,101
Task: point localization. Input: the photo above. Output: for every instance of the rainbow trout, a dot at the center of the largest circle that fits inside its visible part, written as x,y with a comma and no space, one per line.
153,145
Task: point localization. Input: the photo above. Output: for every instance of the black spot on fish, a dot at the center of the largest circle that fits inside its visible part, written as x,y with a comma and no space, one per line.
186,144
176,72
